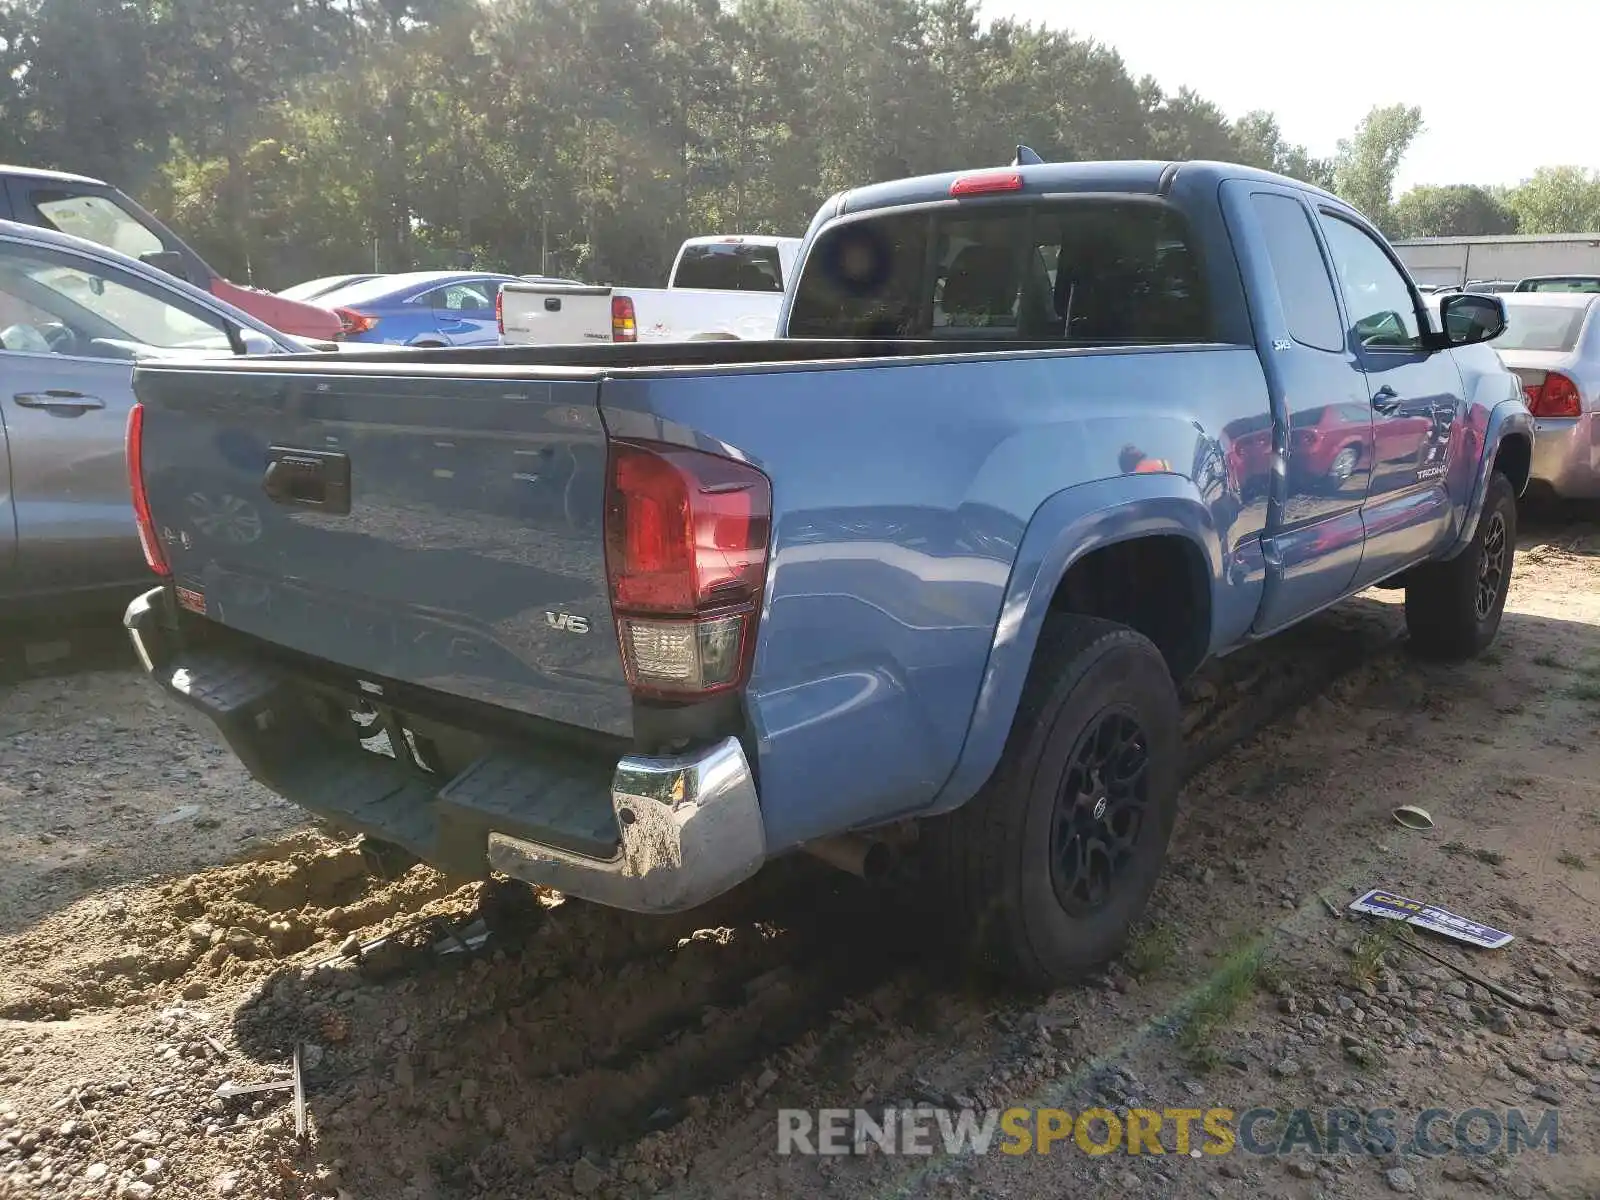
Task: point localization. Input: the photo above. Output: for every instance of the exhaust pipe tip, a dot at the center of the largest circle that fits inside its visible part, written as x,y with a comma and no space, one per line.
866,858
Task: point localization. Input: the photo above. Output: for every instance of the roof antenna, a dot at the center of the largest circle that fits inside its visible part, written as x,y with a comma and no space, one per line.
1026,158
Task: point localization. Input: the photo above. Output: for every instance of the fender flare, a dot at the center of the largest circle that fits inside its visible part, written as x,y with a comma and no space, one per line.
1067,526
1509,418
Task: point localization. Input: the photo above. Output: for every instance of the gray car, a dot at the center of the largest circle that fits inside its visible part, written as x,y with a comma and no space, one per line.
1552,342
74,317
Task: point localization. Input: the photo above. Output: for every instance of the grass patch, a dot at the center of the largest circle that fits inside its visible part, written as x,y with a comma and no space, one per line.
1586,689
1575,861
1210,1009
1461,850
1545,659
1151,950
1368,951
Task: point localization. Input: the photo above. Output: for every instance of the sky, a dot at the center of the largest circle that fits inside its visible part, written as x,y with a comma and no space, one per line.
1504,87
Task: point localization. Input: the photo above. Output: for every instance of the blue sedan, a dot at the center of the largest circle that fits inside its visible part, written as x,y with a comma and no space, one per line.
420,308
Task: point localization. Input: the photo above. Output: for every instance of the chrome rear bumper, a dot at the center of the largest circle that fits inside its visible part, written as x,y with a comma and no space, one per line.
686,828
690,830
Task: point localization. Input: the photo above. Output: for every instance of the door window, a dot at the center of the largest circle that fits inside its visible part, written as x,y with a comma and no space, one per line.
1382,307
1309,307
58,303
96,219
462,297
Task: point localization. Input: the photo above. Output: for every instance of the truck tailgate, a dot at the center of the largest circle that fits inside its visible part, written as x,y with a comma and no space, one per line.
447,533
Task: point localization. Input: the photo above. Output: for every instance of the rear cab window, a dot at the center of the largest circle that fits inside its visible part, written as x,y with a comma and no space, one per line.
1305,288
729,267
1081,271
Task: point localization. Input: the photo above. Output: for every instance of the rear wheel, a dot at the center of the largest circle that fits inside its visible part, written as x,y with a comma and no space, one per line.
1047,868
1453,608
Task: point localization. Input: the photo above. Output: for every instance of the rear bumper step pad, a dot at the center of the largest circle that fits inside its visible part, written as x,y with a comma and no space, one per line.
647,834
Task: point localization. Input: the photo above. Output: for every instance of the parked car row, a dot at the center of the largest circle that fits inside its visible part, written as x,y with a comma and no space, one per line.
75,315
1533,283
719,287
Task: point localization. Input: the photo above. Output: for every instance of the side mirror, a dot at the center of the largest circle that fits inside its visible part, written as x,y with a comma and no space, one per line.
1472,317
169,261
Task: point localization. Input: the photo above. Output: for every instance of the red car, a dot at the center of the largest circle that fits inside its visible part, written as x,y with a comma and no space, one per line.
99,212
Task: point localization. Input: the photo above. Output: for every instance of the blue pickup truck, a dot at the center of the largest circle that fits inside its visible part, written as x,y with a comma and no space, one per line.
921,576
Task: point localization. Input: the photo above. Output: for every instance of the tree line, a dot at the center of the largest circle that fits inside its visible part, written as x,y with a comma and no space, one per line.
292,138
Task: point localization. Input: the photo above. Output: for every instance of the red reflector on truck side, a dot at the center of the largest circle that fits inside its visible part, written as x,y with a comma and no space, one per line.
155,556
686,560
985,183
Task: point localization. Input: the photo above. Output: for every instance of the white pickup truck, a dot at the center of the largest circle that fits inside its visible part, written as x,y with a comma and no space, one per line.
720,288
541,311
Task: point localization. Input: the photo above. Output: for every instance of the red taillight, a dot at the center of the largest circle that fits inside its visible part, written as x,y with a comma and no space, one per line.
1557,396
686,558
500,311
154,556
623,326
352,322
985,183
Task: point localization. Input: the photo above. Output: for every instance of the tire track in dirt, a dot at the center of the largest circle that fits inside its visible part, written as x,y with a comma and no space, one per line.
811,968
639,1041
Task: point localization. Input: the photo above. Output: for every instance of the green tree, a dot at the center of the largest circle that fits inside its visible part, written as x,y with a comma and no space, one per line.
1365,165
1557,200
1261,144
1454,210
85,91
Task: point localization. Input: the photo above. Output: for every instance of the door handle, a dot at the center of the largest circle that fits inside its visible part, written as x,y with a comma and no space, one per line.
58,400
1385,400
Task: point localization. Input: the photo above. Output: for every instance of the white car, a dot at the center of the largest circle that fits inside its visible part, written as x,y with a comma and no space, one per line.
1552,342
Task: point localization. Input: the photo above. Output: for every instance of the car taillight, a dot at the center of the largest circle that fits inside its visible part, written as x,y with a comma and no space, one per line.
500,311
154,556
686,559
623,326
352,322
1557,396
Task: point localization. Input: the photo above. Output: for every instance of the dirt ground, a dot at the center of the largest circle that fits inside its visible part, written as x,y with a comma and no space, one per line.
167,927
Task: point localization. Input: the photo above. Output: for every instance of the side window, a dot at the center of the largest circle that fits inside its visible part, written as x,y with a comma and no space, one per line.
1303,283
460,296
54,303
96,219
1383,311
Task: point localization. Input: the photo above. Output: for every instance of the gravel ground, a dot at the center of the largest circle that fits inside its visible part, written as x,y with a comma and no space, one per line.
167,928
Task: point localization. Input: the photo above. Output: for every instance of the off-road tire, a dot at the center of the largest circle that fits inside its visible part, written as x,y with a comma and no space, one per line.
1453,608
992,858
